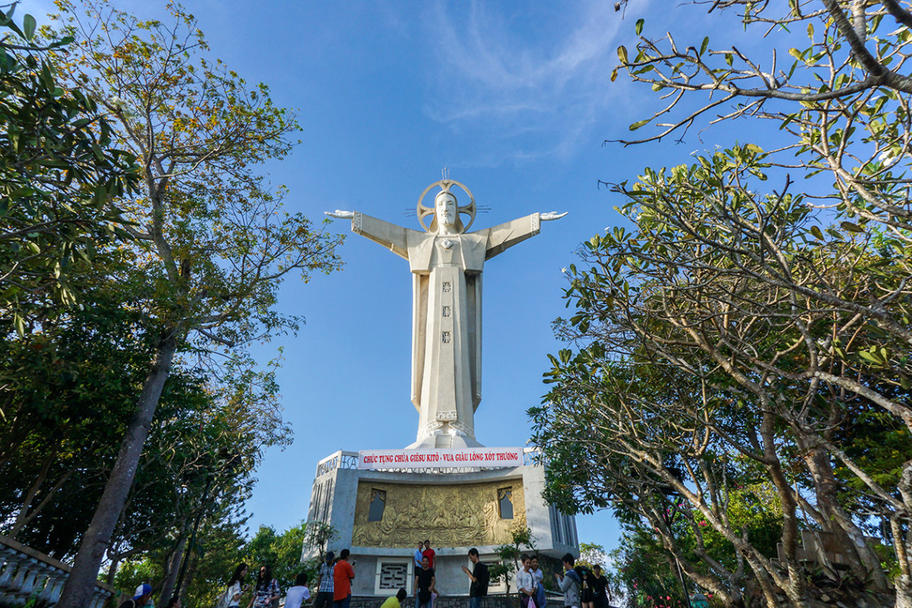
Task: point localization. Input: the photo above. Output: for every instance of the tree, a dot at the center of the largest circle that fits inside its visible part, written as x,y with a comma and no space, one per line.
317,536
73,397
281,551
59,176
211,240
742,329
505,570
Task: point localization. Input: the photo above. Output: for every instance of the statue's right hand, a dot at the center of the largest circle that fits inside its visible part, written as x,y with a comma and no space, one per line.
340,214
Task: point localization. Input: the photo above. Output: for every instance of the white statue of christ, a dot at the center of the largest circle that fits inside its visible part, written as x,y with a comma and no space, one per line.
446,264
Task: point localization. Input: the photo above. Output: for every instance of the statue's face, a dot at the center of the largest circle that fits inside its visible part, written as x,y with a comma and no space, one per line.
445,205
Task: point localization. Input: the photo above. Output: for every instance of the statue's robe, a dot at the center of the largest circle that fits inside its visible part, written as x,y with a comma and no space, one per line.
446,318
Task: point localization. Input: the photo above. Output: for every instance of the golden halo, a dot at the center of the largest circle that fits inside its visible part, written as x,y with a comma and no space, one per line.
445,184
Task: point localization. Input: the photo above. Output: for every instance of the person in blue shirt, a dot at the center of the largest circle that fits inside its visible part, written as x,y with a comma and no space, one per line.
419,552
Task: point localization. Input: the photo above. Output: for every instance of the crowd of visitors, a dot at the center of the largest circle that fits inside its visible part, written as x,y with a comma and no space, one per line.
581,587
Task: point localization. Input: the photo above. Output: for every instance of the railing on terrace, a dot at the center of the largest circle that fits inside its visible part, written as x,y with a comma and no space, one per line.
28,577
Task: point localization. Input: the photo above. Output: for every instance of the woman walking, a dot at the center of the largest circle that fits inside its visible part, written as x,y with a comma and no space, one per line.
267,589
231,596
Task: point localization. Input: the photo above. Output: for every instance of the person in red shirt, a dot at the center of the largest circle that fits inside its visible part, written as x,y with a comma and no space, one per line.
428,553
343,573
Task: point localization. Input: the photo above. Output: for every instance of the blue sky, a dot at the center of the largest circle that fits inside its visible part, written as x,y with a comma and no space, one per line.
515,100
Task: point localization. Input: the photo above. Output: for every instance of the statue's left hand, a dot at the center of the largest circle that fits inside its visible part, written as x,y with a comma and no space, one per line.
340,214
551,215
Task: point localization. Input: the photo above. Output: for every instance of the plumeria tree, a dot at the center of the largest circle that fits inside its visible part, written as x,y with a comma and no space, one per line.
746,326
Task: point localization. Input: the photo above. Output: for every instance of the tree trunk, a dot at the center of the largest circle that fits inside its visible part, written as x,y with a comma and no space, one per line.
173,565
191,572
23,516
77,592
863,562
112,571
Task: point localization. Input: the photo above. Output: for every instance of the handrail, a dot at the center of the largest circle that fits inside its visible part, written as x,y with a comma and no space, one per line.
29,576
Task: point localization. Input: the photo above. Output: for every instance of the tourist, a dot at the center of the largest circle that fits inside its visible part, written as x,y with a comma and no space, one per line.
425,584
525,584
142,597
539,577
419,553
231,598
429,553
298,593
325,582
587,597
393,601
343,573
600,588
479,577
266,590
569,583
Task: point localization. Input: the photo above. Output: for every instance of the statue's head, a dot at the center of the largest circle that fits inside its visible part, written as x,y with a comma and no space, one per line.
445,209
446,212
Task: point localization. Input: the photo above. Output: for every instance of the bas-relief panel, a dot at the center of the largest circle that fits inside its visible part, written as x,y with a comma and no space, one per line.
450,516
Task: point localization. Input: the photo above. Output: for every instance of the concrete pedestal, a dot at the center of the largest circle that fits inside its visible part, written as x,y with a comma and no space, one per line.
382,515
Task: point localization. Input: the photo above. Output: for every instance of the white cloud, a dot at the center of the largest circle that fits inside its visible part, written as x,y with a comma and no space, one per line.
529,94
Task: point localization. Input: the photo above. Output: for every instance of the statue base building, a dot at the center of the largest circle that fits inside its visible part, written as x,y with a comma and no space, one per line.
383,503
445,487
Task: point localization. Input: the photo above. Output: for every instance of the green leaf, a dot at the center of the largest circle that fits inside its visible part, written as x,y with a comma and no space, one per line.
704,45
850,227
639,26
29,24
622,54
638,124
817,233
870,357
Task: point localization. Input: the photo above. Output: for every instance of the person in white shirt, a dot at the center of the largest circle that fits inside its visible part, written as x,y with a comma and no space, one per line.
525,583
299,593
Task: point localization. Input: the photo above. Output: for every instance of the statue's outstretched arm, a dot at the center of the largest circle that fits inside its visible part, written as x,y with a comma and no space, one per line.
391,236
504,236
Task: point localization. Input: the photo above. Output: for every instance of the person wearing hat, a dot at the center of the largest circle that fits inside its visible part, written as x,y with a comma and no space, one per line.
142,597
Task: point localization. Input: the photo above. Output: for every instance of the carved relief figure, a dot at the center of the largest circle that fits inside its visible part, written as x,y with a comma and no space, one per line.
455,516
446,262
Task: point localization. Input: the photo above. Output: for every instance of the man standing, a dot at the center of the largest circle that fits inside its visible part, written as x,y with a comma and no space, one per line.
429,553
425,584
539,578
343,573
325,582
419,553
479,577
525,584
600,588
569,583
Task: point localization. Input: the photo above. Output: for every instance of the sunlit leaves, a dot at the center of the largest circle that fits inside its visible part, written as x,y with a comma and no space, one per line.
60,176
